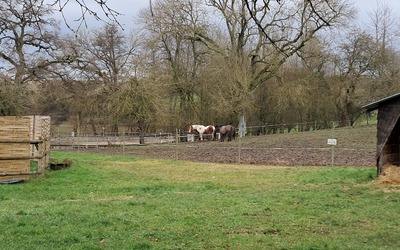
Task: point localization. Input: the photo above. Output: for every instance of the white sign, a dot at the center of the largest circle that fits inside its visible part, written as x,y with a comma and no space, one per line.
332,142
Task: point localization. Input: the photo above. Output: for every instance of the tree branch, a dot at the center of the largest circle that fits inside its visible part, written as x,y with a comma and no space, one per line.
110,14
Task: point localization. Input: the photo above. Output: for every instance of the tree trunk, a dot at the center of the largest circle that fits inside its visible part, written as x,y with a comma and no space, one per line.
77,124
141,135
93,127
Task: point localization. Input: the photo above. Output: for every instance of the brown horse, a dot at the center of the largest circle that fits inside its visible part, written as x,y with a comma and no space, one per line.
225,131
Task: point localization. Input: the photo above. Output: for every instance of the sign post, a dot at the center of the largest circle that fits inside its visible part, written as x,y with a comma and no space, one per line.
242,132
333,143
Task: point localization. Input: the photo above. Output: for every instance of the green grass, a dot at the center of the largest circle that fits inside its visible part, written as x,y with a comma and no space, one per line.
110,202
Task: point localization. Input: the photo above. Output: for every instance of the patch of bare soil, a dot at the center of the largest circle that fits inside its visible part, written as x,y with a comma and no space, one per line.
355,147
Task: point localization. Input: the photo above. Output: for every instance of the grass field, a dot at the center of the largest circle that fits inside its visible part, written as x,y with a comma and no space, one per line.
110,202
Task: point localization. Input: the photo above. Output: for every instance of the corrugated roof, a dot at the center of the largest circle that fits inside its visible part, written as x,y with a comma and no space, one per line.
374,105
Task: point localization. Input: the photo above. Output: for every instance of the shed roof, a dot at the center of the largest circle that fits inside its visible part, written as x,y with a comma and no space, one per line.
376,104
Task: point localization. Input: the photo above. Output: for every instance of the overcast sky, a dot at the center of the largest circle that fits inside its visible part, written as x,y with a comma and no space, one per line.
130,8
366,6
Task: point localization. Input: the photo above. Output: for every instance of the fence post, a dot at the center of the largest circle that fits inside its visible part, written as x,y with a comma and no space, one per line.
333,146
176,144
240,149
123,141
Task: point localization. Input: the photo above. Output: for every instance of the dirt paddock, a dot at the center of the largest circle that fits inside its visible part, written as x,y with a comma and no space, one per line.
355,147
245,155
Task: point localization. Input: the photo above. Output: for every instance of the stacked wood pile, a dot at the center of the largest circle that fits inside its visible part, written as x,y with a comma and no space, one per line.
40,140
24,141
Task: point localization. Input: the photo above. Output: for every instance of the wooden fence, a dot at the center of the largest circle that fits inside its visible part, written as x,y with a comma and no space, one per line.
128,139
24,146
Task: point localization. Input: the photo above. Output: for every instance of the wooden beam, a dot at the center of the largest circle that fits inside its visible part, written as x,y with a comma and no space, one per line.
21,157
21,141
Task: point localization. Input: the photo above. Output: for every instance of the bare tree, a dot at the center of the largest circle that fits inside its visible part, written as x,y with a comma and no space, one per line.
27,36
98,62
353,62
172,33
384,23
225,89
385,35
286,26
137,103
237,24
263,36
104,54
109,13
366,65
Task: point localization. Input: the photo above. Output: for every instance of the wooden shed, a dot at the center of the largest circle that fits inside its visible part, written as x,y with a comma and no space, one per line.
388,131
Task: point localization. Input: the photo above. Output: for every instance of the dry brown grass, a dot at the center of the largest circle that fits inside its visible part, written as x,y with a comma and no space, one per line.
390,175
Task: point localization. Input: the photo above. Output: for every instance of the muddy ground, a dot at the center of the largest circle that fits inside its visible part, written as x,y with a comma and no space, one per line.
355,147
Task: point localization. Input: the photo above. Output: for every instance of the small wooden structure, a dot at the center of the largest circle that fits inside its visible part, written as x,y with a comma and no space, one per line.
24,146
388,131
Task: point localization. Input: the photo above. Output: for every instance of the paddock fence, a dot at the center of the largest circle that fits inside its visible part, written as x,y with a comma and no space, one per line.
286,147
60,141
86,139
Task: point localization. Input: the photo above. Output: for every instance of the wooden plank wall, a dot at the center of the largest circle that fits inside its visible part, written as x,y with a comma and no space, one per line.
391,151
41,127
40,131
22,140
14,142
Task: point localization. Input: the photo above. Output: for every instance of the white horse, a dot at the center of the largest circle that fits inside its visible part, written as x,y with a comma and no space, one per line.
201,129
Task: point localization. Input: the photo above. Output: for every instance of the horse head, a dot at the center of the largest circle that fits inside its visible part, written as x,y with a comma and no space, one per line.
217,128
